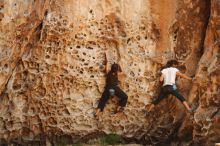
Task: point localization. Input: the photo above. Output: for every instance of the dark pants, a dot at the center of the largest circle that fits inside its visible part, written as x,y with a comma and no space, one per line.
118,92
165,91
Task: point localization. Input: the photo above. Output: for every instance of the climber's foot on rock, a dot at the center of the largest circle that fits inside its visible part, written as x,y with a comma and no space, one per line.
191,110
145,112
97,113
119,110
150,107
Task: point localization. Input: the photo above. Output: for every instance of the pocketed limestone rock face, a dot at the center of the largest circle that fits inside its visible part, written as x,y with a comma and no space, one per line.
205,91
53,59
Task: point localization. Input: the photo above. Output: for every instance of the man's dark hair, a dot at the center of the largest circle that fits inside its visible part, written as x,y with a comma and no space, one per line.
170,63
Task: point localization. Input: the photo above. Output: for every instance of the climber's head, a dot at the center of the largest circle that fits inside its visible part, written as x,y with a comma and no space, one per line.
172,63
115,68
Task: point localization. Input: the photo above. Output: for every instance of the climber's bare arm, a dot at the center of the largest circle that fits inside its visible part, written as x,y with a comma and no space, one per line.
107,67
120,72
183,76
161,78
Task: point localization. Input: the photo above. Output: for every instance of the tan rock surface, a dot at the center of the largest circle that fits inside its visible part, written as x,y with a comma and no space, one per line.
53,54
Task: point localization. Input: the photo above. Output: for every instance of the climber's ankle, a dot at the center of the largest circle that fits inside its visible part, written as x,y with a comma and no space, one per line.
120,109
150,107
98,111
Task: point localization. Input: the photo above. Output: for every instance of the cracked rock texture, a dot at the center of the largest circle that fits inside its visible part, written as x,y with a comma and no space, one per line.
53,55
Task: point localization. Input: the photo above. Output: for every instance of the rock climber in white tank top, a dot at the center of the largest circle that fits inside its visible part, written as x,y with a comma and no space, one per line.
168,77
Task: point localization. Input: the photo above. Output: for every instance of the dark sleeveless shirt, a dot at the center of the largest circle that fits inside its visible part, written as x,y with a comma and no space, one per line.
111,80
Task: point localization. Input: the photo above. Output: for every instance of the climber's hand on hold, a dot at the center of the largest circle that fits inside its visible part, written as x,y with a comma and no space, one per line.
195,80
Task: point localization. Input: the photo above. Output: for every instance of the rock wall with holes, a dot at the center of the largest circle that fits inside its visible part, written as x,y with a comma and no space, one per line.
205,91
53,59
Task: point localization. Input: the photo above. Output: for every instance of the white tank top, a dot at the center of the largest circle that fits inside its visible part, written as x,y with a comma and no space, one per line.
169,75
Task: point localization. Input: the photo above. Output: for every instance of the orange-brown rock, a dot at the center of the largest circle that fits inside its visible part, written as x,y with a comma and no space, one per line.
53,55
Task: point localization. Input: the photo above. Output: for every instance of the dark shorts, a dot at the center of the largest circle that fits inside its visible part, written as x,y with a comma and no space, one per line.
118,92
165,91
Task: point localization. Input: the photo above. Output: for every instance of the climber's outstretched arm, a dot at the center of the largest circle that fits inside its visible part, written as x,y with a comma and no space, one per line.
183,76
107,67
120,72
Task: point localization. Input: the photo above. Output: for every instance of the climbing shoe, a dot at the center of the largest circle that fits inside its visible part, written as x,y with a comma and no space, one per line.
191,111
119,109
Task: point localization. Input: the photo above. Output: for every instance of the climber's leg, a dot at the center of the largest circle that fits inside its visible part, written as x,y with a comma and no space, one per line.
122,98
182,99
163,94
104,98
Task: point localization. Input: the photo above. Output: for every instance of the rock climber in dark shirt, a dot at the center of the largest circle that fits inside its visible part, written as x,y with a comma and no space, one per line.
112,88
